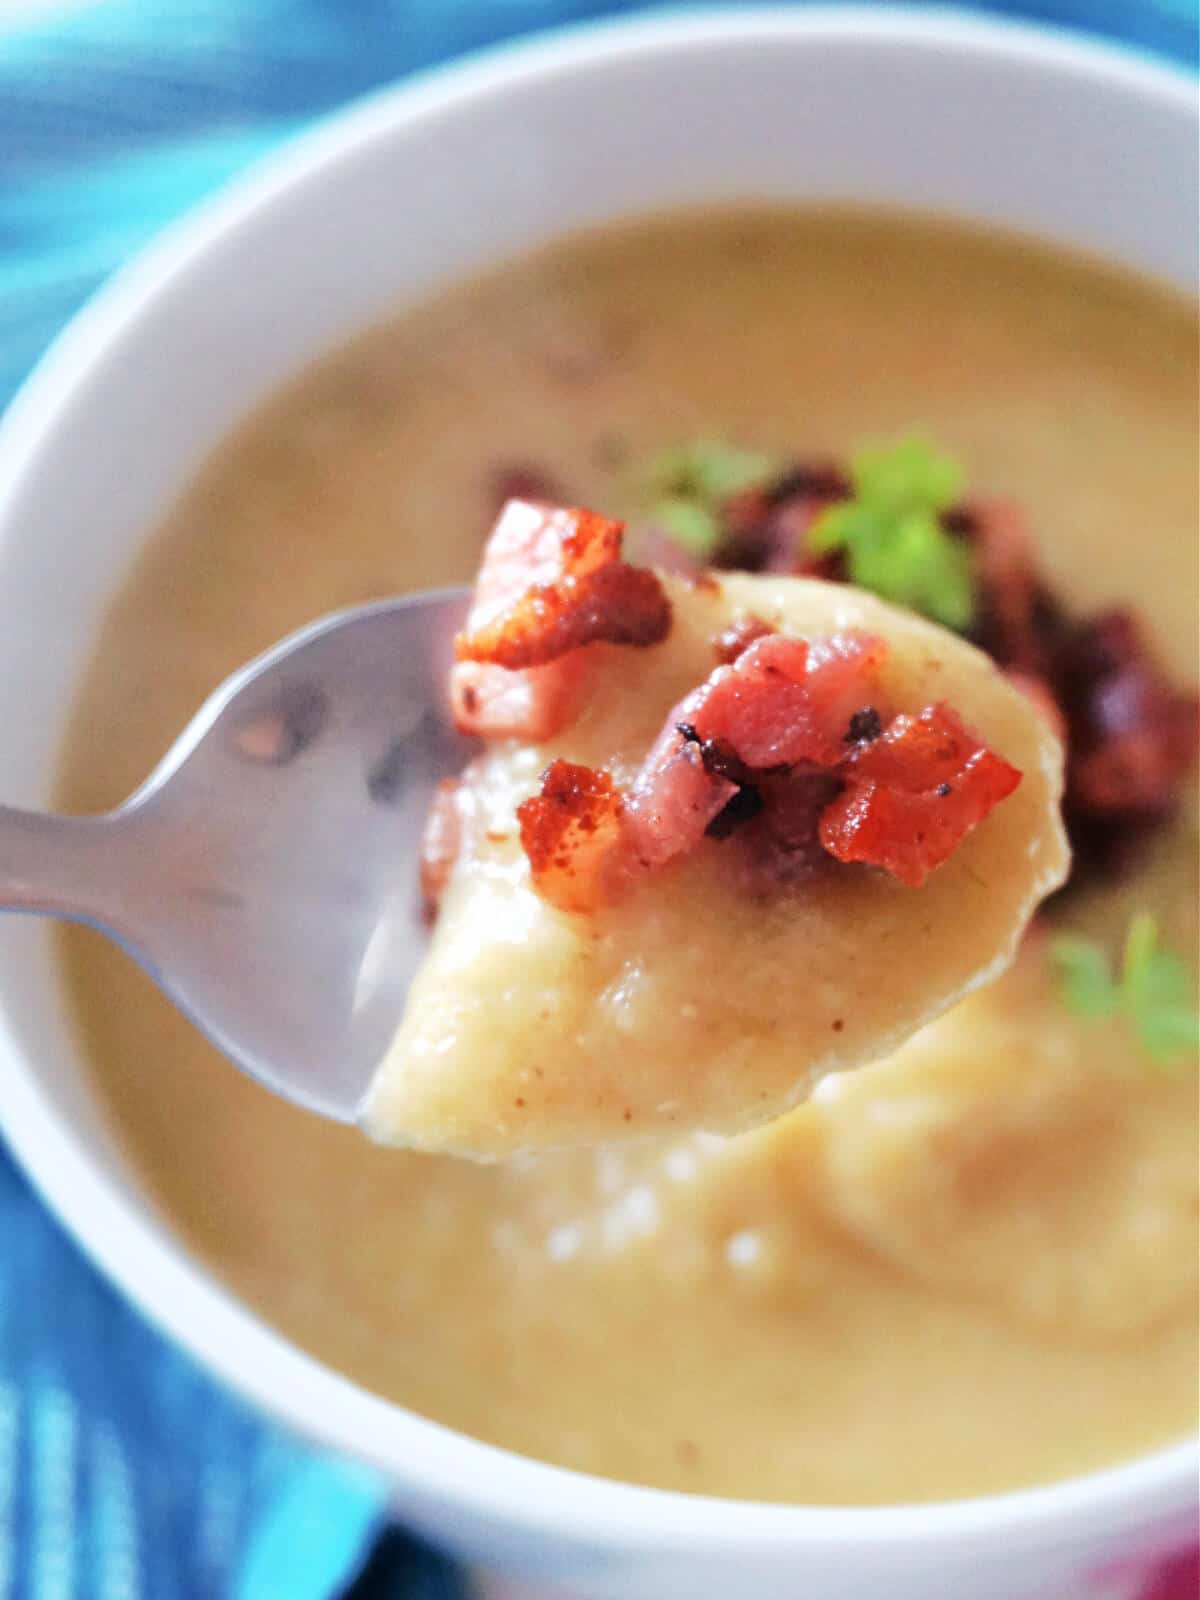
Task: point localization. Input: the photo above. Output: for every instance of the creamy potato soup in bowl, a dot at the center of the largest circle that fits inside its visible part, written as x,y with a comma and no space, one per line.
866,326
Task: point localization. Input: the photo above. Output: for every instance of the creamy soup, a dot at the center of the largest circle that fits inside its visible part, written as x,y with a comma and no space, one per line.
968,1268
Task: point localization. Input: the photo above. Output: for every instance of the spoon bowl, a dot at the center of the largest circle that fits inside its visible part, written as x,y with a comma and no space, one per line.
265,874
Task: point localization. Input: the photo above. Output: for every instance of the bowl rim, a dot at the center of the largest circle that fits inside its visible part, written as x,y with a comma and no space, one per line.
133,1245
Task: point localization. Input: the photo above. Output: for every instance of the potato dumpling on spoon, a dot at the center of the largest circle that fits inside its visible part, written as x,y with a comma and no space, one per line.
724,836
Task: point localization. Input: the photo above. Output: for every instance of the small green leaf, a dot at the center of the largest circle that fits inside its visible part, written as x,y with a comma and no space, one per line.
891,534
909,475
843,526
1154,993
1084,977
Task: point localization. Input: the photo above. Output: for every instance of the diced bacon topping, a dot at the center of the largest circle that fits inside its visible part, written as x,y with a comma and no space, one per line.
616,604
913,794
551,582
1134,736
788,748
571,832
785,701
674,798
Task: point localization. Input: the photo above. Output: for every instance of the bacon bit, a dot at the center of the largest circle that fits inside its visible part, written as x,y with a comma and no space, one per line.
440,844
551,581
784,701
914,794
674,797
1018,621
569,831
737,638
1132,737
617,604
581,592
781,749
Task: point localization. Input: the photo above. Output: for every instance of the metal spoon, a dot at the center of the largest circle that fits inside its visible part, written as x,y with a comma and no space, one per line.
265,874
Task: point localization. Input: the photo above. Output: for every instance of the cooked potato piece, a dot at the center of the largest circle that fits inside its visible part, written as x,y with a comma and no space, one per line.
706,995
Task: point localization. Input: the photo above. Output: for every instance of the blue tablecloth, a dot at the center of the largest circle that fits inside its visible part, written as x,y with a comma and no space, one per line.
124,1471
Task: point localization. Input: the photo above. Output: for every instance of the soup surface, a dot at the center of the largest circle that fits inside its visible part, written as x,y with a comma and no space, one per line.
968,1268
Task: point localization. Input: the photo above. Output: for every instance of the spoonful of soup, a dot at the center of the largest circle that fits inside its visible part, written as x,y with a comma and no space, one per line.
686,845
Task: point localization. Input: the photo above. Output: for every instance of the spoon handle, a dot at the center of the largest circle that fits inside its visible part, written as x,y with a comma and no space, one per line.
62,866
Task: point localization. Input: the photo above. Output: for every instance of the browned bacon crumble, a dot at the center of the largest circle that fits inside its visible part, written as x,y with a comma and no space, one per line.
771,748
592,596
570,831
1132,736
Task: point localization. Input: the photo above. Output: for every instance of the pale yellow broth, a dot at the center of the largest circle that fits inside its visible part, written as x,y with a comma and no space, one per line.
969,1268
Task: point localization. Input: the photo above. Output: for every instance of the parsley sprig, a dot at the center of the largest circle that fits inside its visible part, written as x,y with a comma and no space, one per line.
1152,993
891,535
684,488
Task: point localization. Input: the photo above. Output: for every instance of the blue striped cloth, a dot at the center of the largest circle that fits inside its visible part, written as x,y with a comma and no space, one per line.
125,1474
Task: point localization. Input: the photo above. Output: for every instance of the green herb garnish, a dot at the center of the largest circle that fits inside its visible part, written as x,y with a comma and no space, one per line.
1153,993
683,489
891,534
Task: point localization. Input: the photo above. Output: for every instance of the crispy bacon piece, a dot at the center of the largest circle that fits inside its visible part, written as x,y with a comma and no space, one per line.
571,832
785,701
574,591
1132,738
551,581
674,798
617,604
914,793
440,843
787,748
1018,621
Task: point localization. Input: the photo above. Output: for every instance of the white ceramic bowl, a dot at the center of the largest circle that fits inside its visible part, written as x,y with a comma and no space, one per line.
376,208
